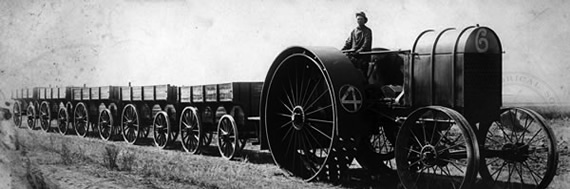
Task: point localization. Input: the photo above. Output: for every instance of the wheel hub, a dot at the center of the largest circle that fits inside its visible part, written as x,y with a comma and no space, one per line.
517,152
429,155
298,117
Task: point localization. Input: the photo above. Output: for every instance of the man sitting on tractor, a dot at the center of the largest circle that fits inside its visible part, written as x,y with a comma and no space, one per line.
360,40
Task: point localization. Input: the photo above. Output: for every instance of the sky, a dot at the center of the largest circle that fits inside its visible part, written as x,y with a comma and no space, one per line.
187,42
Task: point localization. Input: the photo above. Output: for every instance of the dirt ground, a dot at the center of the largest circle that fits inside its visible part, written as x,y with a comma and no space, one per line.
27,168
12,169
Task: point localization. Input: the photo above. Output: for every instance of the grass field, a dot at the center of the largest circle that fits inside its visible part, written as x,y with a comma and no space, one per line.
157,168
90,162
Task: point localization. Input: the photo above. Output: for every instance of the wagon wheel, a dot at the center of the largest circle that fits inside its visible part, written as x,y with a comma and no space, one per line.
62,120
228,138
30,112
376,150
130,124
191,130
436,148
162,130
519,151
45,116
17,109
105,124
81,120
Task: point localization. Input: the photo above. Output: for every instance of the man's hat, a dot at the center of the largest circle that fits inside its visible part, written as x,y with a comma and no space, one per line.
363,16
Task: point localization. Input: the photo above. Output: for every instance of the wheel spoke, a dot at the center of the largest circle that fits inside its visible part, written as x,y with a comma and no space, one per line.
454,164
292,92
498,171
513,121
312,92
318,110
317,99
320,120
519,171
534,136
505,135
419,175
415,137
319,131
533,173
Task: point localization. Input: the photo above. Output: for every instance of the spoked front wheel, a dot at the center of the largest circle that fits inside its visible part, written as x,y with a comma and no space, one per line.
436,148
519,151
228,138
191,132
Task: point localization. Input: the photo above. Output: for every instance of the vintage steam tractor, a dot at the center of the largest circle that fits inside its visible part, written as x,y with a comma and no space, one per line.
433,113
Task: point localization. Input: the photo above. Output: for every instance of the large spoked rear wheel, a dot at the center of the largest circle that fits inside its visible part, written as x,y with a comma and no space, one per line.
191,133
519,151
311,103
228,138
62,120
436,148
130,124
17,109
162,130
45,116
105,124
81,119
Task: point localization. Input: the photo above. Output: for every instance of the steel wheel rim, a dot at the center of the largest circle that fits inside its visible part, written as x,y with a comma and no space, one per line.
227,137
81,120
130,124
62,121
190,131
105,124
429,157
534,135
161,131
17,114
45,116
299,97
31,116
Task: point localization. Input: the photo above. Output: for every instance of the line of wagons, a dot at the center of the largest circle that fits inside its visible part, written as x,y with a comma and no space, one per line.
433,113
132,113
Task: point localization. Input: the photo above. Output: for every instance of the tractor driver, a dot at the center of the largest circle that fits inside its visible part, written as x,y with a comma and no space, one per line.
360,40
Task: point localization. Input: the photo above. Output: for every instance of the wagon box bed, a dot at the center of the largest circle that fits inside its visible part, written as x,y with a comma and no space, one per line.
246,94
111,93
150,93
